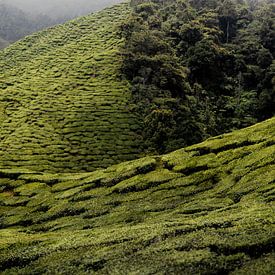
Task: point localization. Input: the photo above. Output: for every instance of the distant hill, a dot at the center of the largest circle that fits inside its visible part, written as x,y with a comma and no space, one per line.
15,23
60,8
20,18
3,43
205,209
64,106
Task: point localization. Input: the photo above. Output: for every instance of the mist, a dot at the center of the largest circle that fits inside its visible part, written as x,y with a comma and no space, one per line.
19,18
60,8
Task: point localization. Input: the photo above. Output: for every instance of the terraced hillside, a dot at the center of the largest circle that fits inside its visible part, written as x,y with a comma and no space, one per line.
63,104
205,209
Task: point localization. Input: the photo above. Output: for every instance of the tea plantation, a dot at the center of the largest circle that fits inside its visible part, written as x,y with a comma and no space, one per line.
64,106
205,209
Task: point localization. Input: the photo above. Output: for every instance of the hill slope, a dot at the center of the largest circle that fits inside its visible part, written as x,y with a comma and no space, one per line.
63,104
205,209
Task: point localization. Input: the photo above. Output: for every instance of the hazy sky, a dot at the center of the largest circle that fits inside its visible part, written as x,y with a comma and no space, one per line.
54,8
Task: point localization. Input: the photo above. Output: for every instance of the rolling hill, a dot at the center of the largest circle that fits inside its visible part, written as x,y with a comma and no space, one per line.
74,200
205,209
64,106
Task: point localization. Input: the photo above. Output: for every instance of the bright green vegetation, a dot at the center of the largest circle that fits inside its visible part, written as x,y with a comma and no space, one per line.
63,103
205,209
66,109
107,87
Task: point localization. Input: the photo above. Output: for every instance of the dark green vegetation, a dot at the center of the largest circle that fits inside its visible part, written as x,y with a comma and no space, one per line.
199,68
63,104
205,209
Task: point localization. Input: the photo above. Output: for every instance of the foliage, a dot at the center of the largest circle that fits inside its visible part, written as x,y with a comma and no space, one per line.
64,105
204,209
212,59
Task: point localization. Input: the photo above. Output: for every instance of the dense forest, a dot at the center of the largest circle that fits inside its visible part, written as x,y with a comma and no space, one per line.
199,68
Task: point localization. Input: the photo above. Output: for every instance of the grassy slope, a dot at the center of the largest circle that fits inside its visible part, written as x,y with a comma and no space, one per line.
63,104
205,209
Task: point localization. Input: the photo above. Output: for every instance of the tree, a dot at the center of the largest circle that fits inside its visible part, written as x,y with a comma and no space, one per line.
199,68
228,19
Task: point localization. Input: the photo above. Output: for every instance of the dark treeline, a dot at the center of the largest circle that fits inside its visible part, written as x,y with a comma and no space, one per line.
199,68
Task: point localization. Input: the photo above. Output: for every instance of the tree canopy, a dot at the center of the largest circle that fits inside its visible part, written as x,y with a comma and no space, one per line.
199,68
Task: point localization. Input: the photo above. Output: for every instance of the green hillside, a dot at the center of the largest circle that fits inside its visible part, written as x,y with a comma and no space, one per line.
205,209
63,102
